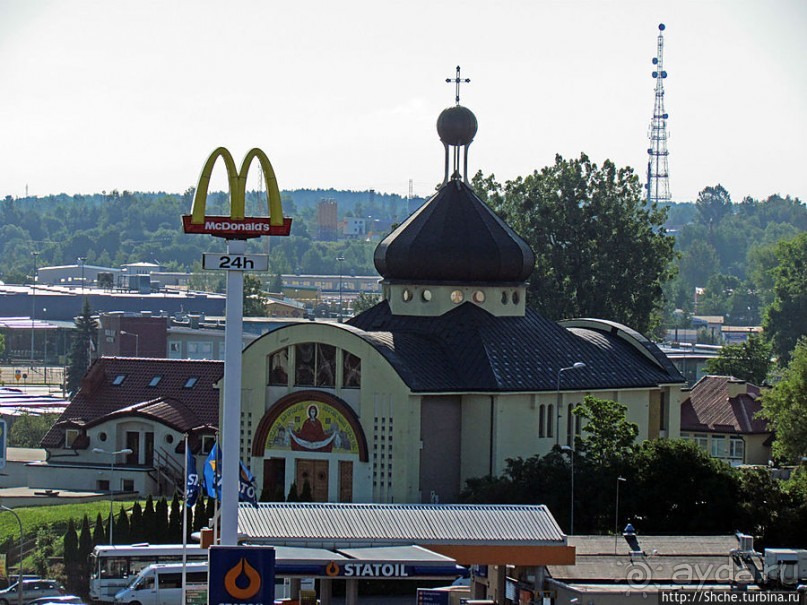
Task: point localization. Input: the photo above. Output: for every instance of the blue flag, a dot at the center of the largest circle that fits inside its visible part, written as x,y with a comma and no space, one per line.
192,480
212,477
246,486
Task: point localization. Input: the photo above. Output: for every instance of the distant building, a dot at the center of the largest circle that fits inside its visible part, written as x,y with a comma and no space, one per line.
73,275
354,228
720,415
327,222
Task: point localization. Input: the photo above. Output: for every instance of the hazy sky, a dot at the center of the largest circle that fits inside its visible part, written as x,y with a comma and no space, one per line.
102,95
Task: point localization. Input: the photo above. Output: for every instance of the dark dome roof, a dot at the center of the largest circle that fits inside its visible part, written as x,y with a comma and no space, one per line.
457,126
454,237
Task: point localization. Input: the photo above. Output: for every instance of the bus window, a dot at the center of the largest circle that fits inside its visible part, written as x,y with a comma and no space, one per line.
115,568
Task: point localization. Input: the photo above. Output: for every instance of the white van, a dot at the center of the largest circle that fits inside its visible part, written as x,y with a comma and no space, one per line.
161,584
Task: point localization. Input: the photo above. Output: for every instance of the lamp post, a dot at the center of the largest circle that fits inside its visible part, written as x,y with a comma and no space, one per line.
33,309
575,366
82,260
19,581
98,450
340,260
570,450
137,341
619,480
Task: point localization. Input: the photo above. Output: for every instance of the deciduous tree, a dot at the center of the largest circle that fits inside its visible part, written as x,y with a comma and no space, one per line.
786,319
749,361
785,407
601,250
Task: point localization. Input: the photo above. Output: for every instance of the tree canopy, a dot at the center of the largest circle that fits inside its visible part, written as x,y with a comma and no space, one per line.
749,361
83,341
601,250
786,319
785,407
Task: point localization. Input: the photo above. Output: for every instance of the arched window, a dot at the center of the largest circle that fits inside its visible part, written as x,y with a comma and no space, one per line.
541,420
550,414
569,424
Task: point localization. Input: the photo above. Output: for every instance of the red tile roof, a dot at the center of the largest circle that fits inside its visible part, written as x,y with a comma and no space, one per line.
710,409
168,401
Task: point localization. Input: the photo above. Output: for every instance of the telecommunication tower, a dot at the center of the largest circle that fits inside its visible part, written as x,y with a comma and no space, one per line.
658,176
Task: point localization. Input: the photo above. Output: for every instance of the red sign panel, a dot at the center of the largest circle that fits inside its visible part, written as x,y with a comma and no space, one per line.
230,228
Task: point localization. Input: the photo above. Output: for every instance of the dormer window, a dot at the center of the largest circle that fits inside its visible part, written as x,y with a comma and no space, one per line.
118,380
190,382
155,381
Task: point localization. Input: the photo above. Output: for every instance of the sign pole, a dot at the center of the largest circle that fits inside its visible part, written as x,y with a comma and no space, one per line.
230,421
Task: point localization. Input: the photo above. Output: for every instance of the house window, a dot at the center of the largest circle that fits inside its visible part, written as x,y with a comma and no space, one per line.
70,435
207,443
190,382
119,380
174,349
102,485
200,350
720,447
701,440
736,448
128,485
155,381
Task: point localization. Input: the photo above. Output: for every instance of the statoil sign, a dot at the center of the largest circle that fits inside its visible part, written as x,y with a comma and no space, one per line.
237,225
241,575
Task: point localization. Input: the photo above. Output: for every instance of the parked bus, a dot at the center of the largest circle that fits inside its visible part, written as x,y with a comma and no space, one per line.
112,568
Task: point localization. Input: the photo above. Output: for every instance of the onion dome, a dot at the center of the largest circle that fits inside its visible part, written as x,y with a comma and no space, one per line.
454,237
457,126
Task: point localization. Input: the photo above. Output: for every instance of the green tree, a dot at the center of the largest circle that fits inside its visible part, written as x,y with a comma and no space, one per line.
608,434
601,250
293,496
175,521
121,535
713,204
254,298
749,361
785,407
28,430
365,301
150,522
786,319
99,535
84,338
200,518
161,521
72,566
136,529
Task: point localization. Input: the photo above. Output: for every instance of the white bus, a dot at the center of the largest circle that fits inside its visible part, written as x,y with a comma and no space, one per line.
112,568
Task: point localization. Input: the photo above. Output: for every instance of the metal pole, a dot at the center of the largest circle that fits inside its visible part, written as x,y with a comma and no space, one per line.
339,260
98,450
33,312
567,448
616,513
575,366
231,417
19,581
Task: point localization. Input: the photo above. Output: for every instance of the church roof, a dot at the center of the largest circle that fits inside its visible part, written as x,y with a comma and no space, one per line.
468,349
454,237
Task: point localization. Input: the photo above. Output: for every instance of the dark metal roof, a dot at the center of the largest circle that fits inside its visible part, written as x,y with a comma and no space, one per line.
168,401
468,349
454,237
354,525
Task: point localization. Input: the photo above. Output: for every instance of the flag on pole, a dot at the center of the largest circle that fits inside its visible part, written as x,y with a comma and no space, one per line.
246,486
212,477
191,479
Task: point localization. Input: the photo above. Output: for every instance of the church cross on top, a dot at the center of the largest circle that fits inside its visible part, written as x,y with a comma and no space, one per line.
458,81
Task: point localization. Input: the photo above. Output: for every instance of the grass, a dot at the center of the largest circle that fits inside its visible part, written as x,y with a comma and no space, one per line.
56,517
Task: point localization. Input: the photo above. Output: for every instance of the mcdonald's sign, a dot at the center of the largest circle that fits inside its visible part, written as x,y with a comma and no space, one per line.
237,226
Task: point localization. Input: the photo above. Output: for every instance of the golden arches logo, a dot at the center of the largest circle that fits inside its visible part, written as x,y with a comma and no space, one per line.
237,225
242,568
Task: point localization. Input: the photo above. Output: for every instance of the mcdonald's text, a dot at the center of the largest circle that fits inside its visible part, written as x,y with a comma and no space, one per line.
230,228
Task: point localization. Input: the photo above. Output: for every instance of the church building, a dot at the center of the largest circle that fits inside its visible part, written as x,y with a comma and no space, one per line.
449,375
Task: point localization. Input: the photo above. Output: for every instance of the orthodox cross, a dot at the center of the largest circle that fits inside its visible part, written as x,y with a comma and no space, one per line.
458,81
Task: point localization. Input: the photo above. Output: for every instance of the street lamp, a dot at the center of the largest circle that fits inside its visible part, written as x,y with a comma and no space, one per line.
33,311
340,260
616,513
575,366
570,450
19,582
137,341
98,450
82,260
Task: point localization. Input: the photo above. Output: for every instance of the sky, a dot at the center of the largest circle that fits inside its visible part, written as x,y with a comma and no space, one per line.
134,95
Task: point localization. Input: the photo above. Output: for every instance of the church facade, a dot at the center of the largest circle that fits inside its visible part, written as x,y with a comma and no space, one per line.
448,376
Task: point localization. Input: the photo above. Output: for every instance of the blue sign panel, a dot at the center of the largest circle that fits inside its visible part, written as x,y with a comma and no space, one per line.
241,575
